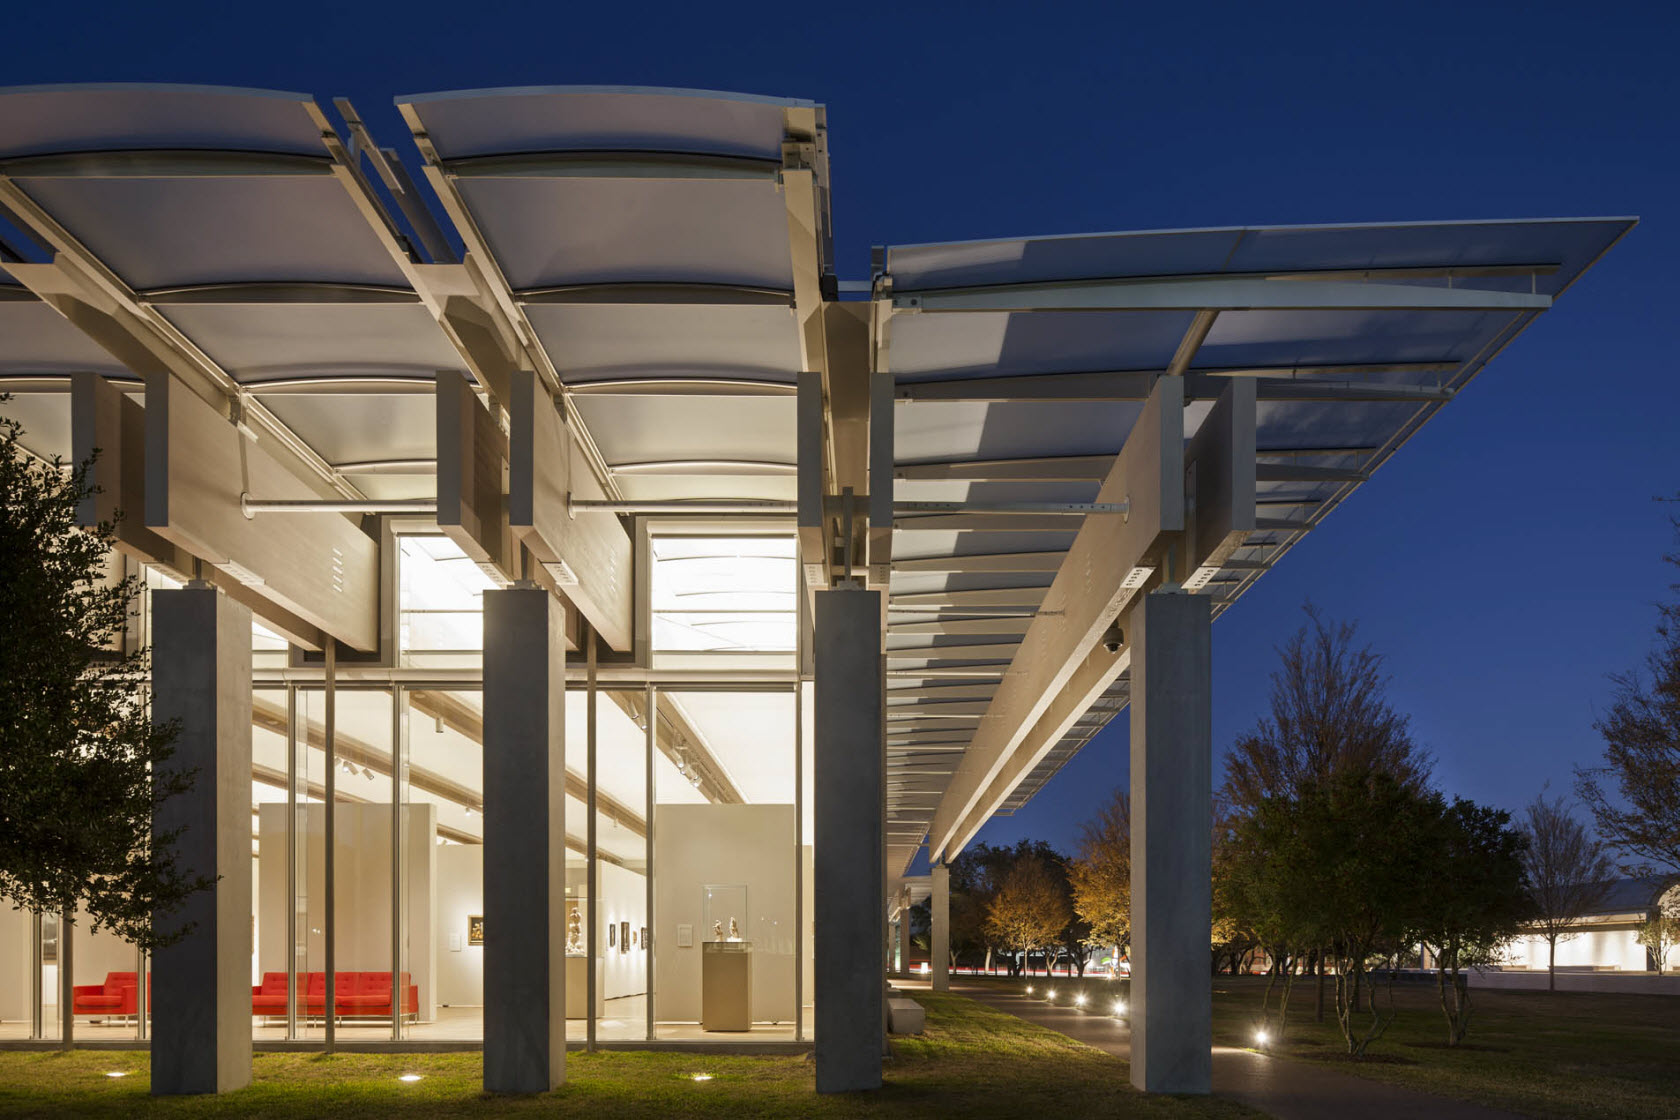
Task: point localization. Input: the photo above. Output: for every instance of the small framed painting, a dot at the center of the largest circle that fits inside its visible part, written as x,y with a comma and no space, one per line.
612,935
644,938
624,937
475,929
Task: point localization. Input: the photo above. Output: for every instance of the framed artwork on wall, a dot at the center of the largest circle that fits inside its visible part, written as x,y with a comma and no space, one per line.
612,932
475,929
644,939
624,937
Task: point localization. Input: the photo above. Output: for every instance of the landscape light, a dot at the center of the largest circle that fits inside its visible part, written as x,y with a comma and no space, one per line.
1079,1000
117,1073
408,1077
1261,1037
700,1076
1029,989
1050,993
1119,1007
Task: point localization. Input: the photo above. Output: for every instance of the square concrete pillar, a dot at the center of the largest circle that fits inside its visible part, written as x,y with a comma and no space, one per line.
940,942
1172,859
524,841
904,938
201,985
849,768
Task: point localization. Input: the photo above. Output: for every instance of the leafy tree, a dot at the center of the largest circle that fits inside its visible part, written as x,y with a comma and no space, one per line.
1101,875
1660,933
1268,886
1368,838
1030,909
80,758
1568,873
1635,795
1329,715
1234,942
1476,901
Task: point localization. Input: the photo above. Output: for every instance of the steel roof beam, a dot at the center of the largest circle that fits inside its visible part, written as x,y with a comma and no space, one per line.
1134,387
1219,294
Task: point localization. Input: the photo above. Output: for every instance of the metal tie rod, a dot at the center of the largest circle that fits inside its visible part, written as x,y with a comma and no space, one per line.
252,506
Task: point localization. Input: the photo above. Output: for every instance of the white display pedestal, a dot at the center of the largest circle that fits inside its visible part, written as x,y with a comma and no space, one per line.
577,988
726,986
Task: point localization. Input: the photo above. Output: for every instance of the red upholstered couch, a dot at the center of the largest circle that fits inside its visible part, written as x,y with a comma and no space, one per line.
116,996
355,994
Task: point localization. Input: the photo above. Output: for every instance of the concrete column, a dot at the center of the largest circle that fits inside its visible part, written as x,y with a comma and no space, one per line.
524,841
904,937
940,905
850,855
1172,807
201,985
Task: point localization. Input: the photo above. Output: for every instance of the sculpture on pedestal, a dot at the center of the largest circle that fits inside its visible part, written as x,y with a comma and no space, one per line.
574,932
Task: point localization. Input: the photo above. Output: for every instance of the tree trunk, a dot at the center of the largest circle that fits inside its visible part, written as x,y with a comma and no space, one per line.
1318,966
1551,964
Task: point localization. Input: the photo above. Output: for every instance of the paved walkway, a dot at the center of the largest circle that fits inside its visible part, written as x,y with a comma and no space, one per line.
1280,1087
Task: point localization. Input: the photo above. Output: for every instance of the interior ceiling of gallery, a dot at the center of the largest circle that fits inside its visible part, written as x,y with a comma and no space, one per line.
645,242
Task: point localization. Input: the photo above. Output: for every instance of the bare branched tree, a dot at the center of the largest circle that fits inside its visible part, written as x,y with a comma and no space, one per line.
1329,715
1635,795
1568,873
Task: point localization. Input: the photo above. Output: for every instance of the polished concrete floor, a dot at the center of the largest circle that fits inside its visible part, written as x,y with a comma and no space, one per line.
623,1020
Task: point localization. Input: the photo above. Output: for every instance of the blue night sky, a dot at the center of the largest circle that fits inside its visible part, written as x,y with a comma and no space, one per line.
1505,561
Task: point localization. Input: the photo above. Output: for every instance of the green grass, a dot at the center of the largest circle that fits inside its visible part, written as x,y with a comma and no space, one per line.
972,1062
1565,1054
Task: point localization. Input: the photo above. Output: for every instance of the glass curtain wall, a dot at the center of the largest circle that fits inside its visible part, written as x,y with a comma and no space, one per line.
445,817
726,855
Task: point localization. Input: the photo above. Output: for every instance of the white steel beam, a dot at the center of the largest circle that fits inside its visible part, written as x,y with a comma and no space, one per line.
1216,294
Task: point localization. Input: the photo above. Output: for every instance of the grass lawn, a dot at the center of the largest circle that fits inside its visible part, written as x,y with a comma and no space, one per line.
972,1062
1564,1054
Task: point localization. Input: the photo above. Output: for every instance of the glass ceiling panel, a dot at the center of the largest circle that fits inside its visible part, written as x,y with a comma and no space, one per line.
716,594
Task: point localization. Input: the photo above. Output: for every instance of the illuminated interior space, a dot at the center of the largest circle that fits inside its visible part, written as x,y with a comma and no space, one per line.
603,617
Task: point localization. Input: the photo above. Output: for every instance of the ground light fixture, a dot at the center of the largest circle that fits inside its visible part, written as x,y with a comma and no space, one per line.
409,1077
1050,994
1261,1037
699,1077
116,1073
1119,1008
1079,1000
1029,989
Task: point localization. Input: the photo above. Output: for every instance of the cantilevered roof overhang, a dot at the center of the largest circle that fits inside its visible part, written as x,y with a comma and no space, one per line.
659,264
1021,367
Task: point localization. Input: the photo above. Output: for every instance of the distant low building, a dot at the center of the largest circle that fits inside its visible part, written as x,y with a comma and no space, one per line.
1607,938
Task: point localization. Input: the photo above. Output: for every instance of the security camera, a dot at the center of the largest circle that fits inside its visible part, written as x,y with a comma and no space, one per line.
1113,638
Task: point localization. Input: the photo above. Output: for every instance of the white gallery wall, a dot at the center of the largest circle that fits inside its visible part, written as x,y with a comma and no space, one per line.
362,886
724,845
623,899
460,895
17,963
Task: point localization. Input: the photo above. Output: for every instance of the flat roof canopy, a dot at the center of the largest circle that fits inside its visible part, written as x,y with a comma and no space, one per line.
661,261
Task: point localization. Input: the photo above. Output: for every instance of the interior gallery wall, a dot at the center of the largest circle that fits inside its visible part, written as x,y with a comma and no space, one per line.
17,963
362,889
696,846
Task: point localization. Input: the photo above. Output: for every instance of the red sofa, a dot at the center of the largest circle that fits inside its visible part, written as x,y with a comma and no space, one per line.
115,997
355,995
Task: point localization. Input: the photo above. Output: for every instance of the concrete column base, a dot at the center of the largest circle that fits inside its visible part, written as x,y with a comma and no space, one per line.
524,841
940,905
849,767
201,985
1172,823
